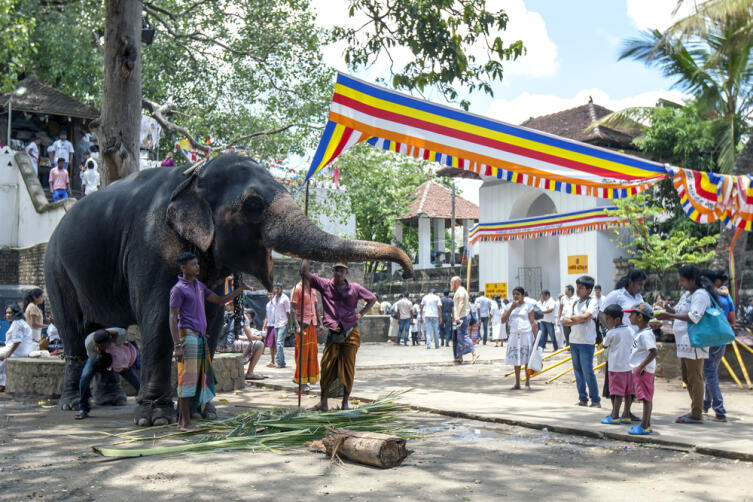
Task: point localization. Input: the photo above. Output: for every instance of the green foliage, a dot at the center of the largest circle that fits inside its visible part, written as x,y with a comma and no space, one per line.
681,137
716,67
649,248
451,42
16,44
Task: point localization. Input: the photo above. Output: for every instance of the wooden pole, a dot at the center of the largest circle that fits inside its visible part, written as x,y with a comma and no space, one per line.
596,368
303,303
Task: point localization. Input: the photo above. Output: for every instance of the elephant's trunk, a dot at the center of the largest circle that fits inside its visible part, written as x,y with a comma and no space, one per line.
287,230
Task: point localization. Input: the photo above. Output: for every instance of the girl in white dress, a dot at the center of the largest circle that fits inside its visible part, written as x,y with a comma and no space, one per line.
498,329
522,333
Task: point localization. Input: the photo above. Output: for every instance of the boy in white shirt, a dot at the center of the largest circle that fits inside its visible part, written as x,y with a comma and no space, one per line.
643,362
619,340
580,320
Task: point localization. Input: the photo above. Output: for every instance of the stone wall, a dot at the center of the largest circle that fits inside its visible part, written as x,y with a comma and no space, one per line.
44,377
23,266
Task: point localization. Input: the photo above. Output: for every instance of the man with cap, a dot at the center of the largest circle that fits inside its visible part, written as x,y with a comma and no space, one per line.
431,312
339,303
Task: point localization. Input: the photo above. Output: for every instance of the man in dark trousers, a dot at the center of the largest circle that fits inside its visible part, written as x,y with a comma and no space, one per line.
339,304
445,326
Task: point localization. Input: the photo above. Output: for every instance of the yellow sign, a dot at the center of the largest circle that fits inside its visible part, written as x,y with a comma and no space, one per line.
496,288
577,264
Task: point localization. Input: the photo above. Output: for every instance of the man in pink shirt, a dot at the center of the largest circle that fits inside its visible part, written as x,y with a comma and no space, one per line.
59,181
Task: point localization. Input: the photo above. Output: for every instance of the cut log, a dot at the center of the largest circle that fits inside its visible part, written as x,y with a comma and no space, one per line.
370,448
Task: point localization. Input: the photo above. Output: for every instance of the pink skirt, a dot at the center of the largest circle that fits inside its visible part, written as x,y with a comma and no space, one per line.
269,341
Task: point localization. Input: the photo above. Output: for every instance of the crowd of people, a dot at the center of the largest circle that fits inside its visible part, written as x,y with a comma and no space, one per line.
583,319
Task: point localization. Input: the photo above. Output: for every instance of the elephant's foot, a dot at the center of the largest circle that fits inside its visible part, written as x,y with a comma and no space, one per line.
69,396
108,390
151,413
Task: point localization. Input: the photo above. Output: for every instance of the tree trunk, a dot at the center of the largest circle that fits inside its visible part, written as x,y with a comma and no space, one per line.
370,448
743,165
119,126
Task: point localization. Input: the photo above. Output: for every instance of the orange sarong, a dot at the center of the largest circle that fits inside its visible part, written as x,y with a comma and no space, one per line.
309,361
339,361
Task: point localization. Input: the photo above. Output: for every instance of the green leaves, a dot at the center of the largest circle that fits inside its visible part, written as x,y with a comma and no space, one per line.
16,44
450,43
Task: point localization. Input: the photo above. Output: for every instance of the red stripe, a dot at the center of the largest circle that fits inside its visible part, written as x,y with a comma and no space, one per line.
700,191
480,140
345,137
426,154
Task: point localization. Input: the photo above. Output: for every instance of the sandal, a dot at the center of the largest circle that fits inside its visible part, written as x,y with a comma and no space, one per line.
610,420
637,430
687,419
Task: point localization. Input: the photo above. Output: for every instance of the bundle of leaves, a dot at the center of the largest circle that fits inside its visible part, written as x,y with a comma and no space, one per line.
267,429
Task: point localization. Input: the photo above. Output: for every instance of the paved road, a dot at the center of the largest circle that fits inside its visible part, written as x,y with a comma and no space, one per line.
483,391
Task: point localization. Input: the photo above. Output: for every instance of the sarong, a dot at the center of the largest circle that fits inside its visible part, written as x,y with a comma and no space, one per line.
195,372
461,341
269,341
310,359
339,361
519,347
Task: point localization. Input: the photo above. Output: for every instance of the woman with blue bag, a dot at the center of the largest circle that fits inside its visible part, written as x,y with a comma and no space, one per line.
698,324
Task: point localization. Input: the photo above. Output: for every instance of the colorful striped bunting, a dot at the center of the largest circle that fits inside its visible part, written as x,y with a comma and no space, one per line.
397,122
600,218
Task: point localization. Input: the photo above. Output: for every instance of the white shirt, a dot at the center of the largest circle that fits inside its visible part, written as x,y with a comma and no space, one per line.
90,178
529,300
385,307
483,304
61,149
91,347
52,333
625,300
620,343
695,306
567,305
403,307
432,305
600,302
270,314
643,341
495,314
32,150
585,332
519,321
282,309
20,332
546,305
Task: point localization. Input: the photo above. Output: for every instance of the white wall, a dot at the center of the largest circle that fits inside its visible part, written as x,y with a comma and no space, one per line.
500,261
22,226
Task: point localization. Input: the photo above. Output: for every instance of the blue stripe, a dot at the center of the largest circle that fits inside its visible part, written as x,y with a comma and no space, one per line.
501,127
536,218
323,143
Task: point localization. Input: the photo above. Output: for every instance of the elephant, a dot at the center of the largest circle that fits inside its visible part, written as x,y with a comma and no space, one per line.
111,261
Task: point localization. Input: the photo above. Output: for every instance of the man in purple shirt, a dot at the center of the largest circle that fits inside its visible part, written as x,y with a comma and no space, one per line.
188,326
339,303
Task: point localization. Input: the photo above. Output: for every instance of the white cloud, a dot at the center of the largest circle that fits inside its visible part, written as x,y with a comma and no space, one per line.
657,14
527,105
540,59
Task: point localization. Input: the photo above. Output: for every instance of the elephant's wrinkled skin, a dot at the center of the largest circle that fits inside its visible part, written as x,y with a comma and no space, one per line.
111,260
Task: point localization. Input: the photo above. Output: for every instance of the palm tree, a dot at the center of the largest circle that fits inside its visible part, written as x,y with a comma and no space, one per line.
716,68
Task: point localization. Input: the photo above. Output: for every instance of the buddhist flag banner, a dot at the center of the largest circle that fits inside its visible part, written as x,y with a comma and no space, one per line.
393,121
710,197
600,218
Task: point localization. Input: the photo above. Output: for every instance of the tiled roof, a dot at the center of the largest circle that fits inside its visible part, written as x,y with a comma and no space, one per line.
41,98
435,201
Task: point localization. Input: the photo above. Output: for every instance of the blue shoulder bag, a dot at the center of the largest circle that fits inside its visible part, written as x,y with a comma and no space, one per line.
712,330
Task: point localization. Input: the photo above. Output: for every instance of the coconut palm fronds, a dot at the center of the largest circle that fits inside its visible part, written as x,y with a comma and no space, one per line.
269,429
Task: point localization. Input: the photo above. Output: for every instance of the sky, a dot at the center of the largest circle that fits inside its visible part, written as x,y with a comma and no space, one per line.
572,53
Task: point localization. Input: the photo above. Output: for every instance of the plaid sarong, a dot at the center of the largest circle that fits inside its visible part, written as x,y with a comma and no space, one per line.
195,372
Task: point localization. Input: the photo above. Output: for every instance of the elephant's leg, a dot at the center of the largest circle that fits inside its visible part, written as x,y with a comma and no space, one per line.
155,395
69,321
108,389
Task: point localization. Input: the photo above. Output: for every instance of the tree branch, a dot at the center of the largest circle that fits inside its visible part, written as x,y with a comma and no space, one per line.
159,112
257,134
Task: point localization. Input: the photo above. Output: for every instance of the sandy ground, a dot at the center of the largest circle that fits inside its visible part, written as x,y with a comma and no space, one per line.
46,455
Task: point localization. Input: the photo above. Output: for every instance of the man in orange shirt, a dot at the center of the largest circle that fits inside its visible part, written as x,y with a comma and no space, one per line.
309,362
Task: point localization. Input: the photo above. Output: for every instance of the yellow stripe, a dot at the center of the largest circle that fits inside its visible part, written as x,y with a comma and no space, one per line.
549,221
488,133
337,136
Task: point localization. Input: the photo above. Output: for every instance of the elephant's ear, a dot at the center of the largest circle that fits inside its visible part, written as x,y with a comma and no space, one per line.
190,216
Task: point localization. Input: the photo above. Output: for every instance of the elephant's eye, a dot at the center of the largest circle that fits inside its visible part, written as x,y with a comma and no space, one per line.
253,207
